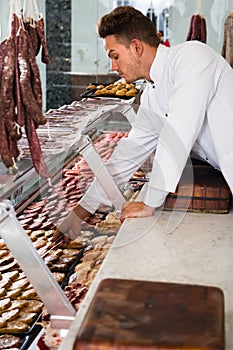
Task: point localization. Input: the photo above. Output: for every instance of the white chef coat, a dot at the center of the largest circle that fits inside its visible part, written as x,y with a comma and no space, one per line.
186,109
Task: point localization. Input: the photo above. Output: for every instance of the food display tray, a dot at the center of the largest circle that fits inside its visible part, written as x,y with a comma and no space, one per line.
27,340
90,93
70,271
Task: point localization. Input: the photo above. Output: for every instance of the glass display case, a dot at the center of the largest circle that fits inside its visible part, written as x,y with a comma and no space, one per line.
23,190
77,58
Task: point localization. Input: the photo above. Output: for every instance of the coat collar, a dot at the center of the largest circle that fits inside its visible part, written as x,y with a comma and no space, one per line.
158,65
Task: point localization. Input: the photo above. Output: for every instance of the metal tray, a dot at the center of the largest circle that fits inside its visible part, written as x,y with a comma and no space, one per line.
34,325
91,93
28,340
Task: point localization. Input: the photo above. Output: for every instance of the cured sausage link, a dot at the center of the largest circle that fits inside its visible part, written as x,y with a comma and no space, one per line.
203,30
29,101
2,49
20,110
35,76
7,88
35,149
197,29
41,34
5,153
189,35
32,30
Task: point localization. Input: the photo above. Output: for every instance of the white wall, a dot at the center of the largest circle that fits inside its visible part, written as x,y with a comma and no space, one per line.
88,55
214,11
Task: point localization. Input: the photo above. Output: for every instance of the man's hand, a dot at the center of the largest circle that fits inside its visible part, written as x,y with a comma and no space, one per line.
135,210
70,227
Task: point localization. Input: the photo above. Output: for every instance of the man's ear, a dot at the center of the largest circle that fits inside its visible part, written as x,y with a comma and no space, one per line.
137,46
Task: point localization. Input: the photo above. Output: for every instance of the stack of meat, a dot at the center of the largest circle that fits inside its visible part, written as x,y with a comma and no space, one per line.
20,90
197,29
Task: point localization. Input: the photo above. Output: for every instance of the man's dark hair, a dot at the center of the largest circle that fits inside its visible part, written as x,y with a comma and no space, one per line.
127,23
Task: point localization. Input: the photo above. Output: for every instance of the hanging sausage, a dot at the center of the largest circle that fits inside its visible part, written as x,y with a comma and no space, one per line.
227,48
197,29
21,92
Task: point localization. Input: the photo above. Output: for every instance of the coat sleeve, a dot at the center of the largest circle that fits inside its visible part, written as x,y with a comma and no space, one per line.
130,153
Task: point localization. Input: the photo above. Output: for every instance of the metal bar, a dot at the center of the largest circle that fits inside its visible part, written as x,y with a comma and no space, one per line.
101,172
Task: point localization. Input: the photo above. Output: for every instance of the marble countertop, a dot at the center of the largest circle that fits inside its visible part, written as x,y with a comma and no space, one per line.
192,248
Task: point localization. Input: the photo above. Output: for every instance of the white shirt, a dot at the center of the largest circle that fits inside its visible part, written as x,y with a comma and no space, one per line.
186,109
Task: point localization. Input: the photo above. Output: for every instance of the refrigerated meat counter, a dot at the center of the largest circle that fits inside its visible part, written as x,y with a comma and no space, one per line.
156,253
23,193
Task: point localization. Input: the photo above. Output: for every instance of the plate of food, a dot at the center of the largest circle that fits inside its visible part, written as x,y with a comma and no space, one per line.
118,89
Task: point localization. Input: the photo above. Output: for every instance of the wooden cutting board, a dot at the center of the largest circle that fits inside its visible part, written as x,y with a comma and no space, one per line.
208,192
130,314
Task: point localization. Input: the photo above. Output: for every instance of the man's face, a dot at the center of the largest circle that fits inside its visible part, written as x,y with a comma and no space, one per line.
124,60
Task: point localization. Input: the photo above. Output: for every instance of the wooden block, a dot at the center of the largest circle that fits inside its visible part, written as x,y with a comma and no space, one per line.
133,315
209,192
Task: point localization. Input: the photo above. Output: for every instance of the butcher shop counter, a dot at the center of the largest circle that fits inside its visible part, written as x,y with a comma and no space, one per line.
188,248
60,140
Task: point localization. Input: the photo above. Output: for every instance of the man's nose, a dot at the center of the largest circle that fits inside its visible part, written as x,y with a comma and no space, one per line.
114,66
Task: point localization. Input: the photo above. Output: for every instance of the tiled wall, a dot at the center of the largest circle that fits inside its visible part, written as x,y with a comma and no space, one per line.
58,34
62,87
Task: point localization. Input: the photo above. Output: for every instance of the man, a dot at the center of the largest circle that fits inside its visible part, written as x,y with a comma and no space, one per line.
187,106
160,36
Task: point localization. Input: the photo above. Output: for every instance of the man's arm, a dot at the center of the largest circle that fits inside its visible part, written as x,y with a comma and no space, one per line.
70,227
130,153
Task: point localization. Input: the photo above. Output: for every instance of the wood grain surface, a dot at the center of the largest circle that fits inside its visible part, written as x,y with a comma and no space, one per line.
130,314
206,192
